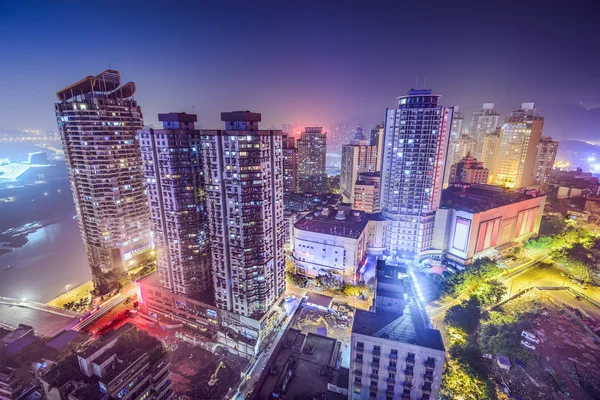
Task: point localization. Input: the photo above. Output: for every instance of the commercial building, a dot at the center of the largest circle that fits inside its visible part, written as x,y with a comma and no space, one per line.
98,120
414,156
482,220
336,241
243,171
546,154
484,121
458,149
491,149
516,161
290,164
123,364
304,366
468,170
366,192
312,151
174,183
395,353
357,157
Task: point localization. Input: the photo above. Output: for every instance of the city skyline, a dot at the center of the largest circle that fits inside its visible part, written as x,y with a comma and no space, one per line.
327,77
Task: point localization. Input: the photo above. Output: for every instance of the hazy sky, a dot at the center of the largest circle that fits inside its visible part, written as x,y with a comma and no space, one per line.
298,61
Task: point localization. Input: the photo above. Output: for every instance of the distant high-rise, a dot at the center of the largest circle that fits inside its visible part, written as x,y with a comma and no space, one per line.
290,164
458,148
98,120
484,121
491,148
366,192
312,152
457,124
173,170
468,170
520,136
546,154
377,140
414,156
359,134
243,171
357,157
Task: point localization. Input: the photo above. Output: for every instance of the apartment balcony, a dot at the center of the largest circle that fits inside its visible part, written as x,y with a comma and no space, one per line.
428,376
358,372
375,364
427,388
429,364
391,380
358,360
391,368
377,352
408,372
360,349
389,393
410,361
393,356
407,385
374,376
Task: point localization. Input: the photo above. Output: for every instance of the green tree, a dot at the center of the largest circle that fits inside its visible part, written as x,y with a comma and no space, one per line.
465,315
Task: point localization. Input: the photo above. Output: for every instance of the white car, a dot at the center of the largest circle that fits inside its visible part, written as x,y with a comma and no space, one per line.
527,344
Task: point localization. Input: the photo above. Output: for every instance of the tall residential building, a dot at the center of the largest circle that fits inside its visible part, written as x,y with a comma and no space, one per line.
377,140
98,120
290,164
414,156
312,151
357,157
468,170
520,136
366,192
544,160
457,149
395,353
484,121
243,171
491,149
174,182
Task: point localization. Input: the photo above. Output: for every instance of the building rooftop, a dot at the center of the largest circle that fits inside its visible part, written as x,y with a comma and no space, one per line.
313,365
319,299
406,327
337,222
475,198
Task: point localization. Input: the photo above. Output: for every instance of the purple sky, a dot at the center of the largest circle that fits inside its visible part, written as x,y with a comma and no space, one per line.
305,62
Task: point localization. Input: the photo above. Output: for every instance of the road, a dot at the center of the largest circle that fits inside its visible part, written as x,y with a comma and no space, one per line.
44,323
104,308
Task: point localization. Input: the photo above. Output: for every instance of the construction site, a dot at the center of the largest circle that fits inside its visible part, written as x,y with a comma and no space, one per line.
558,356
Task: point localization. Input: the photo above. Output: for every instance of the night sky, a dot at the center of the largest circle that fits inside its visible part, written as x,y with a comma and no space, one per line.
305,62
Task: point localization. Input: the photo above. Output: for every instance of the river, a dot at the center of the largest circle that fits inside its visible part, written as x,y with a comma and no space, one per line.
54,256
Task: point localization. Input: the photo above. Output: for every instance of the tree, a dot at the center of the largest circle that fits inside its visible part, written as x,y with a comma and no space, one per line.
491,291
465,315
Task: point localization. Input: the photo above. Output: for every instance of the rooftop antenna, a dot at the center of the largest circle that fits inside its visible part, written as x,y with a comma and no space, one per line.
193,110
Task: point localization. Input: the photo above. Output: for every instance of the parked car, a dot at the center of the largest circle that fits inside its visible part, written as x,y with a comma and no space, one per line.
531,337
527,344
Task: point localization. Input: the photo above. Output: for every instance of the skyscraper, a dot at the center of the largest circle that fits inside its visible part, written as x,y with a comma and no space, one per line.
243,170
290,164
457,124
377,140
312,152
491,148
546,154
173,171
484,121
520,136
414,156
357,157
98,120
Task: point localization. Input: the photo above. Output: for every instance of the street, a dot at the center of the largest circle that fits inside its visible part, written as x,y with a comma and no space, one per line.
104,308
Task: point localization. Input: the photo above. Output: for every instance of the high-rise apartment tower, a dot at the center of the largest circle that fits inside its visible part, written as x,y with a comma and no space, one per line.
98,120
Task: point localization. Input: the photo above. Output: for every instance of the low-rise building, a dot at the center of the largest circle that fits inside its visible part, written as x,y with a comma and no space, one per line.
366,192
484,220
574,184
123,364
395,353
304,366
468,170
334,241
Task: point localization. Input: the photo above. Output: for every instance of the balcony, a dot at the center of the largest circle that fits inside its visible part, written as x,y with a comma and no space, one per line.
393,356
428,376
358,360
408,372
358,372
427,388
407,385
389,393
429,364
360,349
410,361
375,377
375,363
390,380
391,368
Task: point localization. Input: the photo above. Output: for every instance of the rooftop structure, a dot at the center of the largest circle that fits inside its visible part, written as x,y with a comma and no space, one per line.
468,170
477,198
304,366
298,202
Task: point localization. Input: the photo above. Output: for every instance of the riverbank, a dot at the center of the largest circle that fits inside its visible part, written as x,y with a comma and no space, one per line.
73,295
